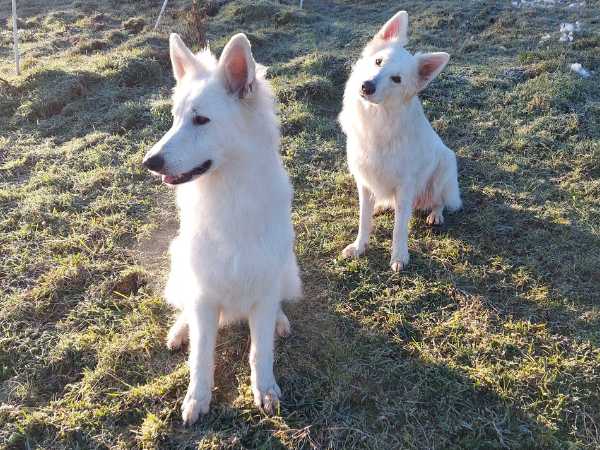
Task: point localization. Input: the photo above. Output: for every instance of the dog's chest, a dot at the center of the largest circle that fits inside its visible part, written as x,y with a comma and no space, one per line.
235,245
378,165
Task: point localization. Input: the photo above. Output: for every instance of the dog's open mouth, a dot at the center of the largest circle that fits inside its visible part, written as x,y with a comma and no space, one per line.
368,98
187,176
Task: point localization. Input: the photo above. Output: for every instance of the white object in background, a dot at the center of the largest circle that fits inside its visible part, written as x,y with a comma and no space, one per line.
534,3
16,35
580,70
162,10
567,29
566,37
301,3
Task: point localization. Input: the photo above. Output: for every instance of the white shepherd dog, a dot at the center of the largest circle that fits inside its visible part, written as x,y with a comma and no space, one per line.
234,256
396,157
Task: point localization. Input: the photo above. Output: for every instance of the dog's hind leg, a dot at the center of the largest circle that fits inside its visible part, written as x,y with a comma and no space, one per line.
431,200
452,199
451,191
282,325
436,216
444,189
178,333
291,283
291,291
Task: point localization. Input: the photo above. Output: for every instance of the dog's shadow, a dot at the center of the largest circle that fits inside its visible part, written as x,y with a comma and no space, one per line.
555,256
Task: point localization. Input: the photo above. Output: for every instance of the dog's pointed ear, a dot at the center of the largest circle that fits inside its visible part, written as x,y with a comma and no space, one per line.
395,29
429,65
182,58
237,66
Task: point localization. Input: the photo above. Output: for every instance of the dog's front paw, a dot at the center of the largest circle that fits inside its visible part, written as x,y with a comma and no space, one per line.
267,398
353,250
194,404
399,262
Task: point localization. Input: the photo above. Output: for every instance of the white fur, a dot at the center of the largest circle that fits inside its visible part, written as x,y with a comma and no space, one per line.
396,157
233,258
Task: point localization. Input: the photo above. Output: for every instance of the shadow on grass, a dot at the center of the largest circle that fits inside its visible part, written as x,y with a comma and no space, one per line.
512,253
348,386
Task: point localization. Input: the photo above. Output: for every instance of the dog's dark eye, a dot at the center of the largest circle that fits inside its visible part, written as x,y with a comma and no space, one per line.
200,120
396,78
378,61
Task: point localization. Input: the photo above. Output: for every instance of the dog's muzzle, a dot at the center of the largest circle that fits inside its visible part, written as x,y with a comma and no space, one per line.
367,88
187,176
155,163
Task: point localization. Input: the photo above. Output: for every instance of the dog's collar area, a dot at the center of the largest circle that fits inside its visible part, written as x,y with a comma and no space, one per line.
187,176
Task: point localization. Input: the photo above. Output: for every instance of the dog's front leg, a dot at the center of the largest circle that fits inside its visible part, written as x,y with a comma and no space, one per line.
403,202
203,324
367,204
262,328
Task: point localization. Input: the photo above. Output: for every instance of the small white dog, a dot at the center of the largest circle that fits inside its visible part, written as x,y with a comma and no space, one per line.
396,157
234,256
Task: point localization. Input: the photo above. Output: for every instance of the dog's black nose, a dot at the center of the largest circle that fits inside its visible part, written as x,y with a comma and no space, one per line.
368,88
155,163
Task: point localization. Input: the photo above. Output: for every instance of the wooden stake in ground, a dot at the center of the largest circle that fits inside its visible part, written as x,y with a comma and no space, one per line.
162,10
16,35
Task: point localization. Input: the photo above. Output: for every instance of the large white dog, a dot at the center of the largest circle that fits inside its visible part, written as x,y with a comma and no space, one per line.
396,157
234,256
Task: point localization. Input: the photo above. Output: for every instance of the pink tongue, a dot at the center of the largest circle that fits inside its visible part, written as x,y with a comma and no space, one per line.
168,179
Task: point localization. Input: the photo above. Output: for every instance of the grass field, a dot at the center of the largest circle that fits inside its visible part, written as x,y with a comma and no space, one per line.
489,339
